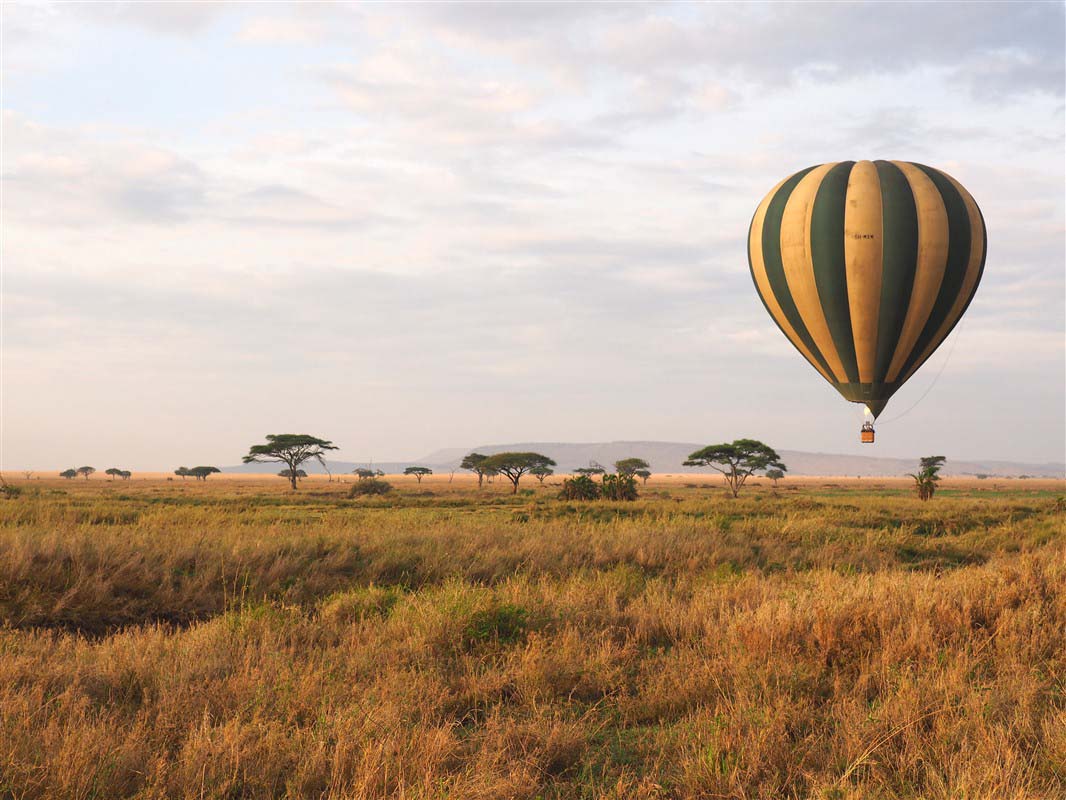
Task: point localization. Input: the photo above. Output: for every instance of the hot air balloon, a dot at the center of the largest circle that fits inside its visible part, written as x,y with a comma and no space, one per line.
866,267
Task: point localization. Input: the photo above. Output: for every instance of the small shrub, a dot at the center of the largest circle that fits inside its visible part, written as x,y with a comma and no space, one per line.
581,487
369,486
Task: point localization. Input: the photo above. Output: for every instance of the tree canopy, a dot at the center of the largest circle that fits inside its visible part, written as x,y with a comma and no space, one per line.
418,472
541,472
515,465
68,474
182,472
287,473
201,473
115,472
291,449
737,460
365,473
85,472
629,466
474,462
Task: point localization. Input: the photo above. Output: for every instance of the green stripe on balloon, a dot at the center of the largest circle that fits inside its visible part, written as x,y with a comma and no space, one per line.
830,272
954,272
775,270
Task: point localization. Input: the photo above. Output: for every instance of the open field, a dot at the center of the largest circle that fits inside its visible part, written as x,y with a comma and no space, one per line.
229,639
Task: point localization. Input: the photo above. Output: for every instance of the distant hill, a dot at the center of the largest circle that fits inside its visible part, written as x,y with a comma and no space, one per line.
666,457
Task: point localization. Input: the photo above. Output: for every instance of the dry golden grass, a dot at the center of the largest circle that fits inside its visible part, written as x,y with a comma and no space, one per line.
169,640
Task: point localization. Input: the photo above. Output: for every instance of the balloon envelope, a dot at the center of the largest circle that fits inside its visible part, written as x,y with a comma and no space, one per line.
866,267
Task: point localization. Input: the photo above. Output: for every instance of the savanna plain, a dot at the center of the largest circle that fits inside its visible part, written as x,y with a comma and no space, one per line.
827,639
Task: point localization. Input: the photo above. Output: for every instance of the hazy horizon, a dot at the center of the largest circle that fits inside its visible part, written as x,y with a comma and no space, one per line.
407,227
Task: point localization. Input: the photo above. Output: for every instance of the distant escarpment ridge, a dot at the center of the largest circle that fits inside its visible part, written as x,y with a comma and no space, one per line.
666,457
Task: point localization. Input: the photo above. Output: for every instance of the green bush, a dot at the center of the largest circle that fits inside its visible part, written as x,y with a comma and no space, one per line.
619,487
369,486
581,487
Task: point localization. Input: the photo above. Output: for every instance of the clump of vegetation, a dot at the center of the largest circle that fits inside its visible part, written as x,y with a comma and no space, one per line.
775,475
580,487
619,487
115,472
69,474
928,476
369,486
287,473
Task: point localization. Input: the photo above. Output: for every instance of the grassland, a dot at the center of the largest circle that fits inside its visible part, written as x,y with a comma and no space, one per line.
228,639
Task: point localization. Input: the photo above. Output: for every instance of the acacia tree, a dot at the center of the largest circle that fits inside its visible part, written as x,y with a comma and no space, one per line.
85,472
630,466
473,462
285,473
542,472
68,474
775,475
643,474
114,472
928,475
592,469
182,472
737,460
515,465
291,449
365,473
418,472
201,473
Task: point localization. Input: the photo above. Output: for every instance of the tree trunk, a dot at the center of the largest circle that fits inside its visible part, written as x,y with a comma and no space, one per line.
292,475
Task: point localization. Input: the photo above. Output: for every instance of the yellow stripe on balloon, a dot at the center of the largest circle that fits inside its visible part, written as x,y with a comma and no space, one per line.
969,281
762,282
799,266
863,261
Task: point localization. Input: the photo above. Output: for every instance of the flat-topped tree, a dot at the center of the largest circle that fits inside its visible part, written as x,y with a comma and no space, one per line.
365,474
630,466
418,472
85,472
473,462
643,474
201,473
515,465
541,472
737,460
287,473
182,472
69,474
291,449
593,468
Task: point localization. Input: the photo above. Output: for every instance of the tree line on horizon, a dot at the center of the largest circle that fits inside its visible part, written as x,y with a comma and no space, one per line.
737,461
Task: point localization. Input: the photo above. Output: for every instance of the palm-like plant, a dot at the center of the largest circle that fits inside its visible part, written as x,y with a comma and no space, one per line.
928,476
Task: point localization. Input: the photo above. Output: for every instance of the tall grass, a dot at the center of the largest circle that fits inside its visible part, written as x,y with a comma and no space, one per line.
843,646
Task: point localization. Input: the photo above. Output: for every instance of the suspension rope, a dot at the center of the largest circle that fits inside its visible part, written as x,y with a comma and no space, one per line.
954,341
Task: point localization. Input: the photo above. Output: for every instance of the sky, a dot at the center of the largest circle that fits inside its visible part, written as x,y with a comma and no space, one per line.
406,227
